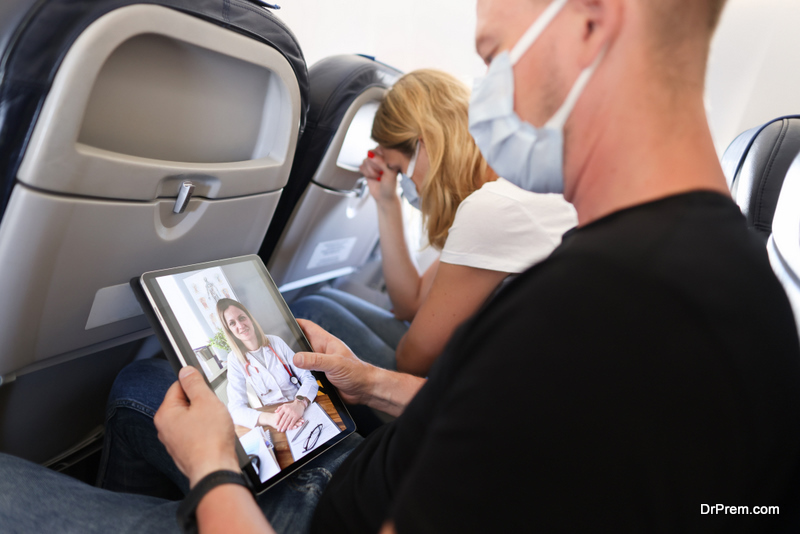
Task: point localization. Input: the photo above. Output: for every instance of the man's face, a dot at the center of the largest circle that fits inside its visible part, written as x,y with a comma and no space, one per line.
537,83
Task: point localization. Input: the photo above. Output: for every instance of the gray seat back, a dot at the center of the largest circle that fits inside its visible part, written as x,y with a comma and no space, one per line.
326,225
109,109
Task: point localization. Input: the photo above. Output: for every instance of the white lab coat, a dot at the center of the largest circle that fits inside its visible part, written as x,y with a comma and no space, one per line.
271,382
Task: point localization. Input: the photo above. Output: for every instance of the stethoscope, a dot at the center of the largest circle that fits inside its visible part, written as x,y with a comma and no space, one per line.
292,378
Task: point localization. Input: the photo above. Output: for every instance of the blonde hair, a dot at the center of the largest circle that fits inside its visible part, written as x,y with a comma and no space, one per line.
236,345
434,106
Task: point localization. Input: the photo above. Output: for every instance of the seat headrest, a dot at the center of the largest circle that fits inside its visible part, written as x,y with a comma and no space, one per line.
35,36
336,82
11,14
755,165
784,243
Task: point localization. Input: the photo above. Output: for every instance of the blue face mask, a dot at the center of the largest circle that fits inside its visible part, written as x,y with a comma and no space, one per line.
408,187
530,157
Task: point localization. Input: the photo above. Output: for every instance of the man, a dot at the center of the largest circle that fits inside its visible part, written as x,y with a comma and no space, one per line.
649,367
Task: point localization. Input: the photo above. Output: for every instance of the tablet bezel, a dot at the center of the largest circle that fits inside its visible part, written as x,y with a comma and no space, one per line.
180,353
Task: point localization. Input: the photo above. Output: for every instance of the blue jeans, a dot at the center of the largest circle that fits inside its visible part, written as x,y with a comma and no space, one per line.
372,333
33,498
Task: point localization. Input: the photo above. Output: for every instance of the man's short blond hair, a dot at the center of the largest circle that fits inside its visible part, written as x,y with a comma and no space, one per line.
676,22
680,37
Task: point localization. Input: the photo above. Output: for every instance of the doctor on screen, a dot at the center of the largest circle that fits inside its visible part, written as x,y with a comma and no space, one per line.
264,364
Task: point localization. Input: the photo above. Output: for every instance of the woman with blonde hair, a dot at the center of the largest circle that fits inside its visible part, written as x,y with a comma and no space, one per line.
484,227
263,365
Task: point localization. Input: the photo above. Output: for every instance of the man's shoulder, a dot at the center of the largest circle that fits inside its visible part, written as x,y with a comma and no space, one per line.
691,256
678,238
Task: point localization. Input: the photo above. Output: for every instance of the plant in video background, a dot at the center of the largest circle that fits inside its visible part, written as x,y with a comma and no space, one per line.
219,341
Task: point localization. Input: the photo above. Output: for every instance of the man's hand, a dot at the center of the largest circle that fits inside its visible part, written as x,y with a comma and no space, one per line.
351,376
196,428
358,382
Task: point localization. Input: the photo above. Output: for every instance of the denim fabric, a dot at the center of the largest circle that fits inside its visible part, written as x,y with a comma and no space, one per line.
134,460
35,499
372,333
290,505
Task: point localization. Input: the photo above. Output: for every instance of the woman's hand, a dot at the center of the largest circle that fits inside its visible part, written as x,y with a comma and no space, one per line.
278,419
196,428
381,180
290,415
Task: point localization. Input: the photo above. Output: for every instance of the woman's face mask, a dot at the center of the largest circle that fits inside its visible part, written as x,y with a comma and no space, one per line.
530,157
407,185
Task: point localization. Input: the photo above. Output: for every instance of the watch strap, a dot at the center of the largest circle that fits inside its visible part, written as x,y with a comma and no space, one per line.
187,518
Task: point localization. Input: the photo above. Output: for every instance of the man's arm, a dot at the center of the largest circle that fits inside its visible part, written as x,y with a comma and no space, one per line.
358,382
231,508
198,433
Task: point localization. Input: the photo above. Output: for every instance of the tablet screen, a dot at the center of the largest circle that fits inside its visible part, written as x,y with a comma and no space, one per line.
228,319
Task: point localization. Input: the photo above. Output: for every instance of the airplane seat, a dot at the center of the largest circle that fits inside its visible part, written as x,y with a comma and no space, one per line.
326,223
755,165
783,246
133,137
762,166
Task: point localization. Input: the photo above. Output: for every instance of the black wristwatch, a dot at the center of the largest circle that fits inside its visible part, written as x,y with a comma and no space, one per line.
187,518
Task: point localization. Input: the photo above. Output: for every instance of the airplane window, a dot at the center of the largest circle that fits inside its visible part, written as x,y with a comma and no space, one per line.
358,139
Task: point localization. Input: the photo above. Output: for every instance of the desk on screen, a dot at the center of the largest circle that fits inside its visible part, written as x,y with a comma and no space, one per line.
282,451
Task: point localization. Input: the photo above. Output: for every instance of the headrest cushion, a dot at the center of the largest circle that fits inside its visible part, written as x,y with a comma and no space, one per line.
755,165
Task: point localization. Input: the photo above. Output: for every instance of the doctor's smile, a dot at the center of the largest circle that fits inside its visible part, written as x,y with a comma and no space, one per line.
241,327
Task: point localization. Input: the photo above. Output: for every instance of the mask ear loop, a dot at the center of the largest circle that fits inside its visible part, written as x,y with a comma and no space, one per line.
412,165
559,119
536,29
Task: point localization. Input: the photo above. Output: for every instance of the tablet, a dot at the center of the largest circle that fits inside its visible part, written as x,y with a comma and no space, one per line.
228,319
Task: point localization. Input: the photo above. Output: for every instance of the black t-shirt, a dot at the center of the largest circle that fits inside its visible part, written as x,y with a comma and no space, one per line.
649,367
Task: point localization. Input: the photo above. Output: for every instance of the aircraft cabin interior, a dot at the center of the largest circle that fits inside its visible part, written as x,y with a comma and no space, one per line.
138,136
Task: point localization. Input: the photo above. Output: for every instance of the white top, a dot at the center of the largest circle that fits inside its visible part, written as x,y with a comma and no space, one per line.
268,378
501,227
